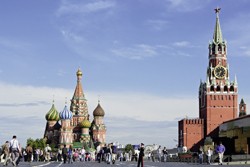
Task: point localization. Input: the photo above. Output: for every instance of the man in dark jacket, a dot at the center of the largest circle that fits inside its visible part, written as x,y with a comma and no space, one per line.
64,153
141,155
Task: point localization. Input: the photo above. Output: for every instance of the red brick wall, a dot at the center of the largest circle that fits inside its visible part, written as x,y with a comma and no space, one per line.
191,133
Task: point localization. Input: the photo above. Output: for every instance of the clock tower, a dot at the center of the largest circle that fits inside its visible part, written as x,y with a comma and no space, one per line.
218,96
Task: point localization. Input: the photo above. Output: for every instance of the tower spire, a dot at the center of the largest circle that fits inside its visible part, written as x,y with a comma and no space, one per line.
78,102
217,30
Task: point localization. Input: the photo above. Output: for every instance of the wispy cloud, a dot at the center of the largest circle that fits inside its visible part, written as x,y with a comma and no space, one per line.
136,52
67,7
186,5
24,104
182,44
157,24
143,51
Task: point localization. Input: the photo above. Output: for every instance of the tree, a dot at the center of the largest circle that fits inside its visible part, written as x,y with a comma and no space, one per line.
38,143
129,147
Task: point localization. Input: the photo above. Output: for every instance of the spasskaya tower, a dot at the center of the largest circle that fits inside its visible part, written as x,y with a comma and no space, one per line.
218,96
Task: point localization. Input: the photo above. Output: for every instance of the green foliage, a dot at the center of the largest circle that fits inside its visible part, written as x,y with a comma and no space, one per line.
128,147
38,143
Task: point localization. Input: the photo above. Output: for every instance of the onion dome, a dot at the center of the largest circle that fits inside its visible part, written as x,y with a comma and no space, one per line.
65,113
53,114
99,111
85,124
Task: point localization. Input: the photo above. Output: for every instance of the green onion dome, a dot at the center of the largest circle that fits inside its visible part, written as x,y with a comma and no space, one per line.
53,114
85,124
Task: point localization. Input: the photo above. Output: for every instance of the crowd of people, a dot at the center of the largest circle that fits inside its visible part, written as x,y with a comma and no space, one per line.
12,152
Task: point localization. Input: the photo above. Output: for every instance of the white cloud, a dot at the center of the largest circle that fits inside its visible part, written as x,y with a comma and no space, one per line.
182,44
23,110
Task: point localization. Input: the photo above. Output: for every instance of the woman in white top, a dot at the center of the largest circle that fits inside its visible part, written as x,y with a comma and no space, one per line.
209,155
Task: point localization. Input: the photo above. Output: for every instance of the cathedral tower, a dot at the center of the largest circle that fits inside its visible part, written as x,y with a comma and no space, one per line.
218,97
242,108
98,127
51,133
66,136
78,107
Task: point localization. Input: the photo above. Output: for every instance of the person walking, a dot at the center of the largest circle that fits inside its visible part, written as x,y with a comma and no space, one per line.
6,152
64,153
114,153
209,155
29,152
141,155
220,150
83,152
70,155
47,151
200,152
159,151
165,154
109,153
15,149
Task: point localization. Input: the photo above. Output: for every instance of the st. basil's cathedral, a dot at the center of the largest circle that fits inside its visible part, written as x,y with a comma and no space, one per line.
75,129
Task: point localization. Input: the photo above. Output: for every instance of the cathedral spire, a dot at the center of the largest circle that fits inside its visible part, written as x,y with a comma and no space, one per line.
217,30
78,102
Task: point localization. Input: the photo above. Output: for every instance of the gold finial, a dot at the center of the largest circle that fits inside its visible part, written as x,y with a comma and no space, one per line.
79,72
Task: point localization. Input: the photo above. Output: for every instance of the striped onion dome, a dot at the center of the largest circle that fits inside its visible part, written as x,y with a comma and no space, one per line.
53,114
65,113
85,124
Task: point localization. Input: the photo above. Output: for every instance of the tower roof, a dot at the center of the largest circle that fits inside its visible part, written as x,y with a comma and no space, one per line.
99,111
217,30
53,114
242,101
78,94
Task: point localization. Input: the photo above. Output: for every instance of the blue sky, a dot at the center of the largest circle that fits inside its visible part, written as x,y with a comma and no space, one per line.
143,59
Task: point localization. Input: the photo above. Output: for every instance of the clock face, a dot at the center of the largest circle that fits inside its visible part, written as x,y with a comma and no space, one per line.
220,72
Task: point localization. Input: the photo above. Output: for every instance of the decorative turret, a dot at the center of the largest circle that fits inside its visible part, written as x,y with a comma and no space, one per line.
242,108
66,133
52,127
98,127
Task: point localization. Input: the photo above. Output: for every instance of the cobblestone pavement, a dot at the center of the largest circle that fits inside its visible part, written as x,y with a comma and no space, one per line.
117,164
